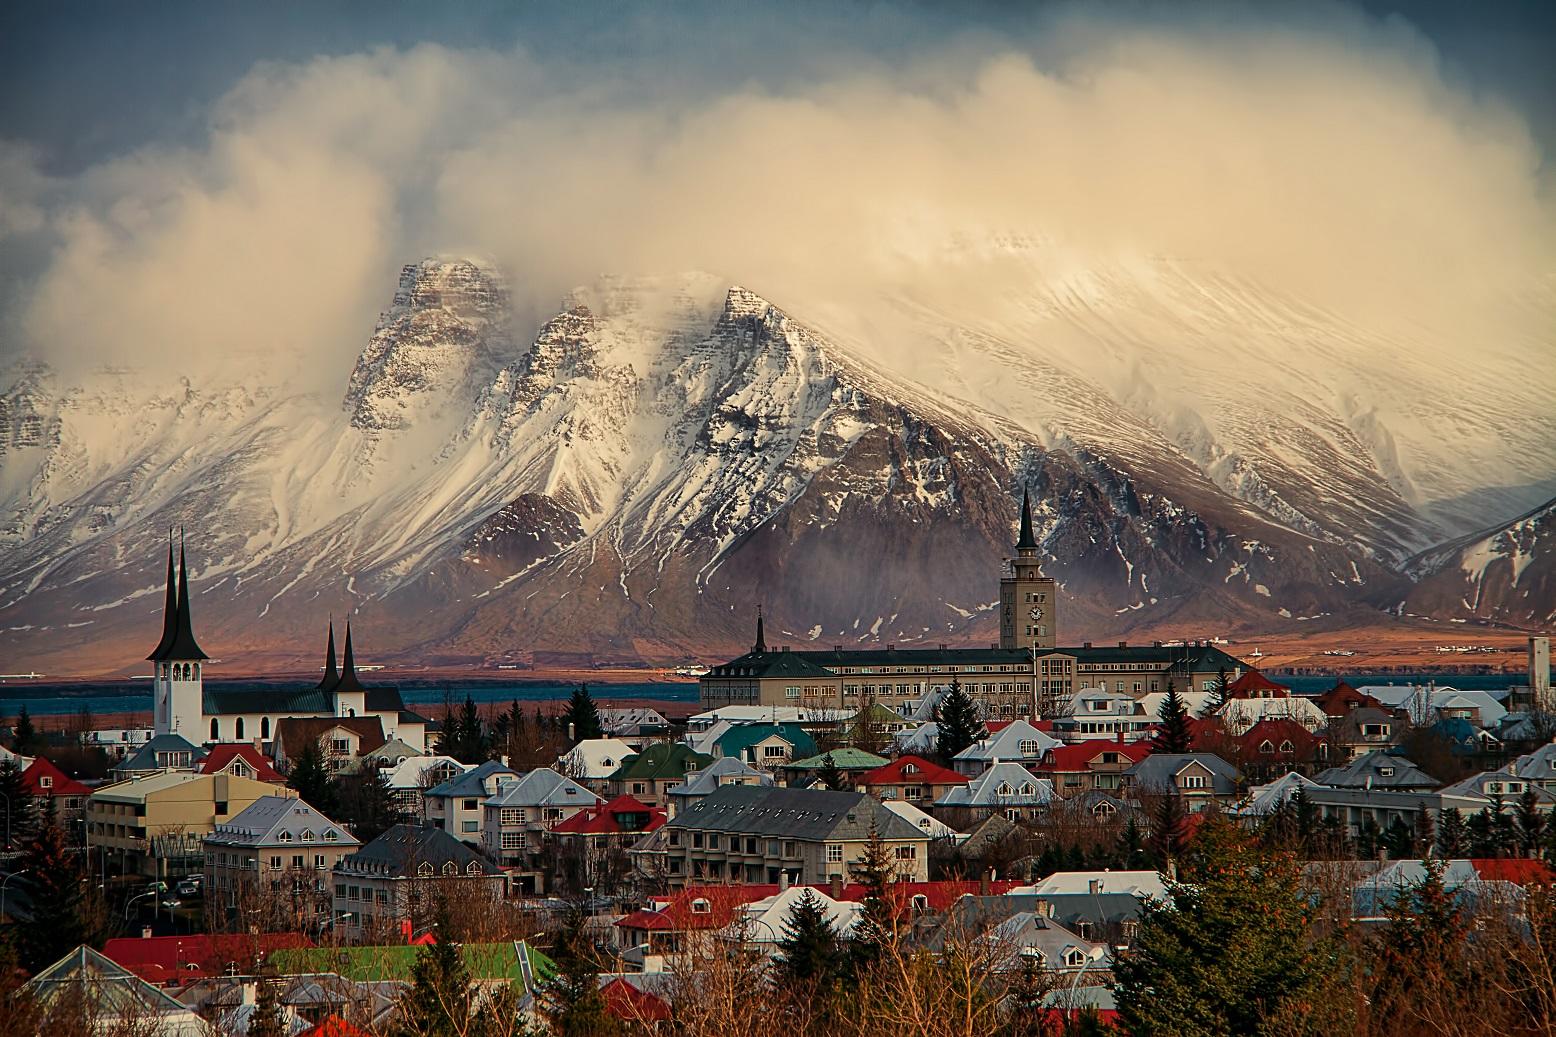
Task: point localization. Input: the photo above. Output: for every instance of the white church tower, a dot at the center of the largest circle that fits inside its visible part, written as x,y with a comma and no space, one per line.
178,692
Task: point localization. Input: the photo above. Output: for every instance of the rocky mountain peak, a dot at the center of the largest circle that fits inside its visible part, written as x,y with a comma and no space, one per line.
471,290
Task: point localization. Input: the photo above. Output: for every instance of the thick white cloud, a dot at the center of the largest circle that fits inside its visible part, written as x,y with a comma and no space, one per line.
1333,162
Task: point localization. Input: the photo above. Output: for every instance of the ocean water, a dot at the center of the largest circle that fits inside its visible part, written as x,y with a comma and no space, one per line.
427,697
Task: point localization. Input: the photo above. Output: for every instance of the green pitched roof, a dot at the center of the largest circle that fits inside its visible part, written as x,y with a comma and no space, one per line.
660,761
396,961
846,759
738,739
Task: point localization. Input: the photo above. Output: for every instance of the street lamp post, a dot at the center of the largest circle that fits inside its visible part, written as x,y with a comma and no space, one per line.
1095,954
3,883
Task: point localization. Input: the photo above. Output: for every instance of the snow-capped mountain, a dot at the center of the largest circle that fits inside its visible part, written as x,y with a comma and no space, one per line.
663,455
1502,575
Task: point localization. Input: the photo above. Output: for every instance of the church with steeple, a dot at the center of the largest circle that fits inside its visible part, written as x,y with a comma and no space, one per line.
184,705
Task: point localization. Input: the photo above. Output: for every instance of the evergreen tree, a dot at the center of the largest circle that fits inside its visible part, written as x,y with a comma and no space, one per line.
23,738
366,803
311,778
1369,838
1231,948
582,719
438,1003
957,721
832,775
876,928
1424,836
1531,823
1131,846
1218,691
470,745
1451,834
570,1000
1305,816
1174,736
1481,832
1399,840
809,950
268,1019
16,804
1420,947
1168,826
69,909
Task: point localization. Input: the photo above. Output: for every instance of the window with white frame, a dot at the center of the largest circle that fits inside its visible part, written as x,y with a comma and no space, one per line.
834,853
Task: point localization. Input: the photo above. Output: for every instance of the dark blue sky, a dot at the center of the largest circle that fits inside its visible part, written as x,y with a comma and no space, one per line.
85,80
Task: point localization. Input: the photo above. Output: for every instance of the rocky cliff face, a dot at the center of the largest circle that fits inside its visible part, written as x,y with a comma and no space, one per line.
662,456
1503,575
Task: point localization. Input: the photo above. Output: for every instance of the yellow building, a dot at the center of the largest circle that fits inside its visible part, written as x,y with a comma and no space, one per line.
156,825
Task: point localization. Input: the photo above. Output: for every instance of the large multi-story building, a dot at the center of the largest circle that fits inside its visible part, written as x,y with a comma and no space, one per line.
156,825
1025,674
269,866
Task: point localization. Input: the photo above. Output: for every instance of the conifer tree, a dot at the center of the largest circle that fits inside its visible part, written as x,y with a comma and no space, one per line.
268,1019
16,805
1174,735
1531,823
1451,834
570,1000
1419,949
1131,846
366,803
957,722
1481,839
1305,815
809,950
23,737
68,908
1231,948
1218,691
311,778
1168,824
582,718
438,1003
876,928
831,774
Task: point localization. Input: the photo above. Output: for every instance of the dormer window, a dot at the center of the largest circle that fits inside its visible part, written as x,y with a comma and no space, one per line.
1287,747
472,868
1266,747
47,781
450,868
1028,747
424,869
307,835
910,769
700,906
1074,957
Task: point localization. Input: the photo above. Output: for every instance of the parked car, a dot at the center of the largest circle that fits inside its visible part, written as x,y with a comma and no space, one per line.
189,888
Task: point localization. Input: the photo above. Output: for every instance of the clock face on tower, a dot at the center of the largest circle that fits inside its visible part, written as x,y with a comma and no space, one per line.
1037,614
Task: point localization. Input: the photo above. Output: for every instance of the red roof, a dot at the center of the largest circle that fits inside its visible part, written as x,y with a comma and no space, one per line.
1523,870
714,907
1078,755
927,773
1277,730
1251,681
333,1026
223,755
992,726
168,959
1342,698
606,819
61,785
625,1001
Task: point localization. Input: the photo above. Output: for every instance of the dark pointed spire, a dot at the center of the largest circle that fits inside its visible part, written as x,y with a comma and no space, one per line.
184,645
348,668
331,675
761,641
169,607
1026,543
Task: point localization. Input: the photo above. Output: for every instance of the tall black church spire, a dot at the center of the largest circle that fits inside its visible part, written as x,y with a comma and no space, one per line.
184,646
761,641
348,668
1026,544
169,608
331,675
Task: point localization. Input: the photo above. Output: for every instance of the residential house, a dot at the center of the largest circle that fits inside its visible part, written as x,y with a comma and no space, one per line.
1274,745
1378,770
744,833
1342,698
1254,698
592,761
343,740
44,781
1094,713
851,761
458,805
1036,937
1538,767
156,825
759,925
1362,730
1197,778
391,885
911,779
649,776
123,1002
926,823
392,753
765,745
269,866
1097,764
1017,741
409,781
636,723
1503,787
517,817
163,753
1008,789
698,784
242,759
588,842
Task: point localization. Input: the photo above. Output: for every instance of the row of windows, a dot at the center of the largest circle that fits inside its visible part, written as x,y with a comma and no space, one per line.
238,732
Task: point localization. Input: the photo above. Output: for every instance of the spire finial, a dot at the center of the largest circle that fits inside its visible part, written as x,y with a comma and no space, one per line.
1026,543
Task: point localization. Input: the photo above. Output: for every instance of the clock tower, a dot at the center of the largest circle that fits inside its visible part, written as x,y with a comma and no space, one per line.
1028,602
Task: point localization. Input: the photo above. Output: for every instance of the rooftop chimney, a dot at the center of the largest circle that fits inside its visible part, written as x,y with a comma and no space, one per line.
985,882
1086,644
1123,644
944,647
1156,644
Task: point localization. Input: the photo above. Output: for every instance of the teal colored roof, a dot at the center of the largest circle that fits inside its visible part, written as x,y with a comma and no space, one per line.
846,759
738,739
659,762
